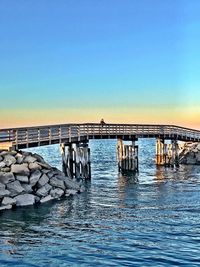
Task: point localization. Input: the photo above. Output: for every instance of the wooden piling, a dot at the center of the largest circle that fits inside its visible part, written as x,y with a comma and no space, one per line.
76,160
127,156
167,154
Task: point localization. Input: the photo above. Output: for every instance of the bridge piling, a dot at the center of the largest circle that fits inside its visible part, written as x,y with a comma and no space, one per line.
76,160
167,154
127,156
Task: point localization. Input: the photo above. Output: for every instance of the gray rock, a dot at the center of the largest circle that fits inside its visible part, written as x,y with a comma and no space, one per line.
3,153
70,192
15,188
6,207
27,188
57,193
26,153
43,191
57,183
29,159
20,169
20,158
2,164
39,158
2,186
71,184
43,180
50,174
22,178
37,199
25,200
9,160
35,176
45,199
4,193
45,171
5,169
34,166
8,201
6,178
13,153
45,165
1,158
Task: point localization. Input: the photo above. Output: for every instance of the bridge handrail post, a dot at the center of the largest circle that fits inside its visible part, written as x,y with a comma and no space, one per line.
78,131
16,138
60,134
69,133
27,138
38,136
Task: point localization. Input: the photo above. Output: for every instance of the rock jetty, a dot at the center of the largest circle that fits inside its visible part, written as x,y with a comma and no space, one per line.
190,154
26,179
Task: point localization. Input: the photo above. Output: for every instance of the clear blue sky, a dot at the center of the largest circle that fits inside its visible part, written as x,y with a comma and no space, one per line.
111,55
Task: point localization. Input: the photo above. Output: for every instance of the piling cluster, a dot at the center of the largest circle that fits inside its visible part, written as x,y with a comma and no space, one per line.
26,179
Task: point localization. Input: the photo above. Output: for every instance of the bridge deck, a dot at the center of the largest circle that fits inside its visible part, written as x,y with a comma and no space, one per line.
67,133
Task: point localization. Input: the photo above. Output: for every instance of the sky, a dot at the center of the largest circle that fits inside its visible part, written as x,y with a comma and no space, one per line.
127,61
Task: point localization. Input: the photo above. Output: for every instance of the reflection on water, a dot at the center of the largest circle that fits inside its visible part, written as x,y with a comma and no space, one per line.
148,219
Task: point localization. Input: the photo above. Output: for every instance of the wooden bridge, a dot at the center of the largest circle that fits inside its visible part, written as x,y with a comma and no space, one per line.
73,140
72,133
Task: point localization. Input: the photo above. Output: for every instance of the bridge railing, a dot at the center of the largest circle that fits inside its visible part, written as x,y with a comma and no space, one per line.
68,131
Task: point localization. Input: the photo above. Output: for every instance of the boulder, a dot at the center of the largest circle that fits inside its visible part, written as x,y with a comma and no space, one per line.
4,192
9,160
2,164
43,180
2,186
19,158
57,192
1,158
27,188
8,201
13,153
39,158
5,169
45,199
34,166
15,188
69,192
25,200
45,171
5,207
57,183
50,174
71,184
22,178
35,176
43,191
6,178
3,153
29,159
44,165
20,169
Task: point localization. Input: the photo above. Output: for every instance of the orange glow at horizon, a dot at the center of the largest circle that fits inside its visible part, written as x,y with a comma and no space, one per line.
187,117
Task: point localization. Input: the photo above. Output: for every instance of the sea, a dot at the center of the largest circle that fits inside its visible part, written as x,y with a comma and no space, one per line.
151,218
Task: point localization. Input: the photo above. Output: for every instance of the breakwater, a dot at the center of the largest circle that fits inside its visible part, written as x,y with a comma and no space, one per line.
26,179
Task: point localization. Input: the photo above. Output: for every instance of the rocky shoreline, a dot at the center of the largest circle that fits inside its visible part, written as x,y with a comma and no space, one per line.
190,154
26,179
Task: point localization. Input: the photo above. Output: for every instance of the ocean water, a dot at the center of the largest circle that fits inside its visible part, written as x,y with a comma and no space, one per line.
148,219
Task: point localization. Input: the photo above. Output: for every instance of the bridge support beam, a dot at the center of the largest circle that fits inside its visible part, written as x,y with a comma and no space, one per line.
76,160
167,154
127,156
